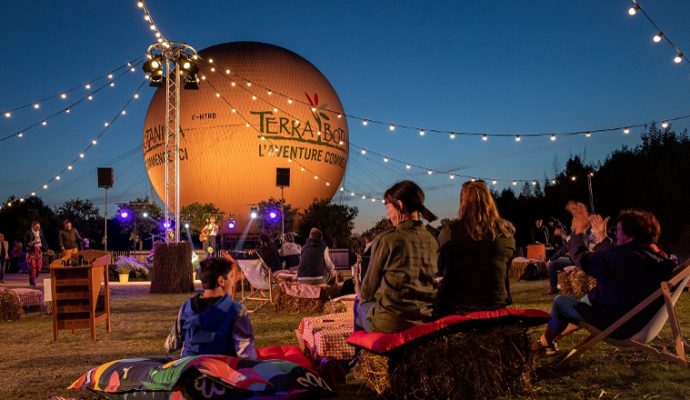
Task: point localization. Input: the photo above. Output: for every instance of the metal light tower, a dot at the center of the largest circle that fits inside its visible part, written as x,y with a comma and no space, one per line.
176,62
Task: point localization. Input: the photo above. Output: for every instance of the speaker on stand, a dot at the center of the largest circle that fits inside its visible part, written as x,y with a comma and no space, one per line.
282,181
105,181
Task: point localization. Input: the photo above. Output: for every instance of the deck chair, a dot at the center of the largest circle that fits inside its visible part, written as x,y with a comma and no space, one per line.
641,339
260,286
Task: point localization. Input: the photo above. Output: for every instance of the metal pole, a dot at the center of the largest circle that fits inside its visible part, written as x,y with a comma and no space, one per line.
282,214
105,220
177,154
591,193
167,148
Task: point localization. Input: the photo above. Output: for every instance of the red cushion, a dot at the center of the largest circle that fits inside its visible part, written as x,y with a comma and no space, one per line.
378,342
290,353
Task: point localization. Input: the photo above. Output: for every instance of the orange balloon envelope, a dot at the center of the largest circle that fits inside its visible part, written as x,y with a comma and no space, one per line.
261,107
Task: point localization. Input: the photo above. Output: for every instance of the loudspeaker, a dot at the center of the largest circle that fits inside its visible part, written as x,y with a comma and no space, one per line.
283,177
105,178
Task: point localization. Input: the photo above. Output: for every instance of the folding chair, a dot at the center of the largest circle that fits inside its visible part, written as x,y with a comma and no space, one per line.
641,339
260,285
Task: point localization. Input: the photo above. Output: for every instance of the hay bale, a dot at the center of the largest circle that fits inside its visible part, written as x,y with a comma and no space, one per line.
485,364
519,265
292,304
335,307
10,306
575,283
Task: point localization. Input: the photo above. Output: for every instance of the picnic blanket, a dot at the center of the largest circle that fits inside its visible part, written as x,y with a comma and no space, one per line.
326,336
205,376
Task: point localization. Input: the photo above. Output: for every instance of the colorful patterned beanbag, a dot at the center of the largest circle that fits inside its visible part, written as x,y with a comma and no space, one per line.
202,377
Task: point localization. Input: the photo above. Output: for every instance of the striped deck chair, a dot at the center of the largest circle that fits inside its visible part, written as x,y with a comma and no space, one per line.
260,285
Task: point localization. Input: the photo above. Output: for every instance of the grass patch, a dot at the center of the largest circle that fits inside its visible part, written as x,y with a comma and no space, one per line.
34,367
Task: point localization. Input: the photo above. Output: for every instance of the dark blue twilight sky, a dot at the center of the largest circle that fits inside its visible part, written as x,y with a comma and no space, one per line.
490,66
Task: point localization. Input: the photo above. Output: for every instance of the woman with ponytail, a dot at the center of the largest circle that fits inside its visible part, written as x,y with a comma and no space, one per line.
398,289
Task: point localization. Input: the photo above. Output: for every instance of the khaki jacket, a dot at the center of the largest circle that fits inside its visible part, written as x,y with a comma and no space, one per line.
400,277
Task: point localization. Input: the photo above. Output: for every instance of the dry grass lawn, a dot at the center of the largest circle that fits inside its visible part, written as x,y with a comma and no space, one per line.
34,367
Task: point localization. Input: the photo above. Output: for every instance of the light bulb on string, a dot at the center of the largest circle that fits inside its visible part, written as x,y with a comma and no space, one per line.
664,124
553,137
87,86
45,186
69,167
678,58
493,182
517,138
633,10
588,134
67,110
429,172
408,166
553,181
94,142
485,137
36,106
451,176
421,132
20,134
626,130
8,114
33,193
657,38
364,152
573,178
452,135
82,155
385,159
63,96
391,127
140,4
365,122
514,183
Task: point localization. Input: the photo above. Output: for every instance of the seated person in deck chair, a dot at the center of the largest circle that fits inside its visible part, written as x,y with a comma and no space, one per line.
315,265
476,251
269,253
398,290
211,322
625,274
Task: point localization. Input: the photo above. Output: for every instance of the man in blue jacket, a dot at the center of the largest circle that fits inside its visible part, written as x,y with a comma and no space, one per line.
211,322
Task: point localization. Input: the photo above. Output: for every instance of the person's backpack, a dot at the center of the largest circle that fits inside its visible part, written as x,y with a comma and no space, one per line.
531,272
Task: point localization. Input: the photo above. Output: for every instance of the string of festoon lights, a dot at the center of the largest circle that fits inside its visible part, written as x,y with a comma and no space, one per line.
64,94
303,168
454,134
659,34
88,97
160,38
387,159
82,154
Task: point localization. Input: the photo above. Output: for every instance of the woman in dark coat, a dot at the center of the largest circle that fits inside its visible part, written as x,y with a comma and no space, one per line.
476,251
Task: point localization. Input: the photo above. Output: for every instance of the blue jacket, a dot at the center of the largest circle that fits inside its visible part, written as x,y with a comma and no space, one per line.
209,331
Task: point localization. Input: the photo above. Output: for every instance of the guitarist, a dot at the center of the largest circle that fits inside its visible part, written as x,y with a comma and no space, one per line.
208,236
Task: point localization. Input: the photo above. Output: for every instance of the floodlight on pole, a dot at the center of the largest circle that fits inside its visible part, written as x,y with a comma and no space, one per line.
254,213
176,62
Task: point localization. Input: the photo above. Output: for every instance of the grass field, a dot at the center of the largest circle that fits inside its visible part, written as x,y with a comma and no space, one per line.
34,367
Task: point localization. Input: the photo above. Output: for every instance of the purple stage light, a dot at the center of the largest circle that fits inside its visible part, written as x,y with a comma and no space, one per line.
231,224
166,225
272,215
124,214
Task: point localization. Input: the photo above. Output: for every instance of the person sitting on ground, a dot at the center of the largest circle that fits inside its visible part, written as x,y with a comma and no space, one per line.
315,265
290,251
476,251
398,289
269,253
211,322
539,233
625,274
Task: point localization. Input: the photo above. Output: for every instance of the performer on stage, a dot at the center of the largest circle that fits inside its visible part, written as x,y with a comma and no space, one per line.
208,236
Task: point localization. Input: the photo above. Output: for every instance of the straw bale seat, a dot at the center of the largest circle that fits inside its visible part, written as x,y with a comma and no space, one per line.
575,283
519,265
296,297
490,357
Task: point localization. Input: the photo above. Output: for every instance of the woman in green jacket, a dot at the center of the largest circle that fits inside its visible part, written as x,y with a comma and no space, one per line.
398,289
